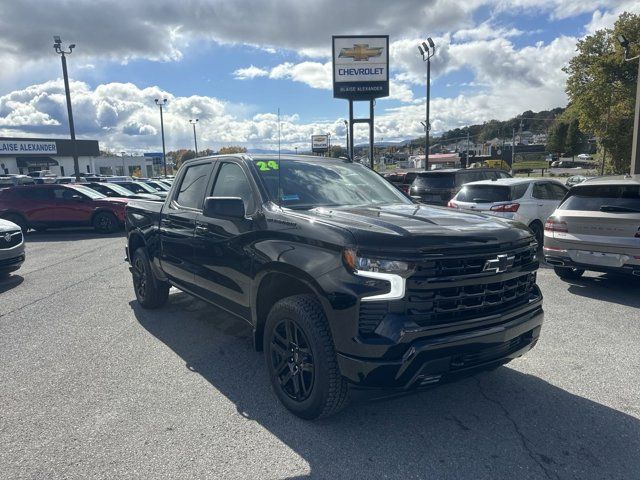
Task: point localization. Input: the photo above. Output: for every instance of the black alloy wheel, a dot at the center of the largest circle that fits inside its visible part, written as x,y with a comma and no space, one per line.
292,360
105,222
139,274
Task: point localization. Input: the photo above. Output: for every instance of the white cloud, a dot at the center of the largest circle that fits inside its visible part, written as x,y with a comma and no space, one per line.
249,73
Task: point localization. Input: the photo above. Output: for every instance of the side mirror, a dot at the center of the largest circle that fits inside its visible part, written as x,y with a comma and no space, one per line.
215,207
77,198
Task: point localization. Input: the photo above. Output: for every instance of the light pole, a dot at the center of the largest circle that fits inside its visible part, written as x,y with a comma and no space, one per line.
195,140
296,150
635,148
329,142
164,157
427,51
57,46
346,125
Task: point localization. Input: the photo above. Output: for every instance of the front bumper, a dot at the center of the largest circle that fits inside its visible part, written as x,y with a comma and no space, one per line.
11,259
437,359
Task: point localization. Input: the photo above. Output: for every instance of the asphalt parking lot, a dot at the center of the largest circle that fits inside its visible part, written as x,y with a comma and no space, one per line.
94,387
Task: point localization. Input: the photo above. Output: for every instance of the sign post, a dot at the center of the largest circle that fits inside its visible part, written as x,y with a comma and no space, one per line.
361,73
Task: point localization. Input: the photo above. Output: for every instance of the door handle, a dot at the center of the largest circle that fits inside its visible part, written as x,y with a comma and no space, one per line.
201,229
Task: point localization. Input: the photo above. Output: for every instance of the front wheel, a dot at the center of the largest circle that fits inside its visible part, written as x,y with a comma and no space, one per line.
301,359
105,222
568,273
150,292
538,232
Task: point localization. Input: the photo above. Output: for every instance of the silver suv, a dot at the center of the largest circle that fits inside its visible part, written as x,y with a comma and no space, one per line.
11,247
596,227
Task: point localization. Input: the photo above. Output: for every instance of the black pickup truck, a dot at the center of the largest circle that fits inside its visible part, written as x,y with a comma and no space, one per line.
347,284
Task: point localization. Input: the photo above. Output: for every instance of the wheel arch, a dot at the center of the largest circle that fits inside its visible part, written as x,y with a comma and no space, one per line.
274,284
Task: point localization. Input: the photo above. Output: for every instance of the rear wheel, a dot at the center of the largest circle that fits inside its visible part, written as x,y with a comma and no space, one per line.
568,273
150,292
538,232
18,220
105,222
301,359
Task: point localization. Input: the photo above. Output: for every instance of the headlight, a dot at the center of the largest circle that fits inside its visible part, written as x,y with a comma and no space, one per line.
393,271
366,264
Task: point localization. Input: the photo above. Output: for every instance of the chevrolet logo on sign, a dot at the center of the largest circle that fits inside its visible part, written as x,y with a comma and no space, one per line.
499,264
360,52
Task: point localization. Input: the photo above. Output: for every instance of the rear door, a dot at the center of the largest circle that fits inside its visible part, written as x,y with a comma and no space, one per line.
546,198
223,266
178,223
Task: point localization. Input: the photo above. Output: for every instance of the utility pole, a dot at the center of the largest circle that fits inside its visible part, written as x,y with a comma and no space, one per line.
635,148
195,140
346,124
164,157
513,151
427,51
57,46
467,147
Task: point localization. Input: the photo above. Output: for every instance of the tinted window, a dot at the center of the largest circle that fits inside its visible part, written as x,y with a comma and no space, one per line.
33,193
435,180
556,191
89,192
484,193
518,191
194,183
603,198
410,177
541,192
232,182
503,175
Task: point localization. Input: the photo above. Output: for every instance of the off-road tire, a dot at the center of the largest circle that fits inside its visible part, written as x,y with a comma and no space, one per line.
150,292
568,273
329,392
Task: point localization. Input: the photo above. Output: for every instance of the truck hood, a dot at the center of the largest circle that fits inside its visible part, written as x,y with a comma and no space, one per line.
420,227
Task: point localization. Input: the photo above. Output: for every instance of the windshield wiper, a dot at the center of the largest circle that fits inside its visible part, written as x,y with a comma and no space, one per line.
617,208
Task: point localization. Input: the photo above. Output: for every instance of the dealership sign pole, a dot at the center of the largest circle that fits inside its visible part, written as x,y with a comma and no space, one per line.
361,73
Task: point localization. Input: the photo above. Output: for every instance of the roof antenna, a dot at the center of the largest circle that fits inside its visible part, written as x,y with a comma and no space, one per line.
279,192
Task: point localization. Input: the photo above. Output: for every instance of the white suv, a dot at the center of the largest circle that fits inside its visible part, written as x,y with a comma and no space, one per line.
527,200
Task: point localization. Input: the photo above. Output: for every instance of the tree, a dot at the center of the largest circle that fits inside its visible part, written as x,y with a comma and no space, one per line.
573,141
601,89
232,149
557,137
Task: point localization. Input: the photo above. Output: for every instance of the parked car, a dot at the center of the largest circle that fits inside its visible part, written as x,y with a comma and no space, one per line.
526,200
585,156
117,190
49,206
140,187
11,247
345,282
402,180
10,180
597,227
159,186
575,180
64,180
437,187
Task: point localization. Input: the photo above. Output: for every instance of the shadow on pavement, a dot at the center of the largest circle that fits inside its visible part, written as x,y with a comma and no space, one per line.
611,288
503,424
68,234
10,281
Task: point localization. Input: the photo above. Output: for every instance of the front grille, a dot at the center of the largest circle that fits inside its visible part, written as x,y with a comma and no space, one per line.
11,261
16,239
491,353
445,291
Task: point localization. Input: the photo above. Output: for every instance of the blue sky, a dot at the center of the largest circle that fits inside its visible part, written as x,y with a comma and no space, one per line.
233,64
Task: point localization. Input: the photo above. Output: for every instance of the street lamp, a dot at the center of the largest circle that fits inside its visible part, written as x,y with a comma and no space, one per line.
57,46
164,157
346,126
329,142
195,140
635,148
427,51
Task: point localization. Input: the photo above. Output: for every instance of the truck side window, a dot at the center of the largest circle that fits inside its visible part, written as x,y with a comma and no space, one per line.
232,182
194,183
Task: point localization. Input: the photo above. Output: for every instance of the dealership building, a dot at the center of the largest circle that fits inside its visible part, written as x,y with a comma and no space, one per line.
25,155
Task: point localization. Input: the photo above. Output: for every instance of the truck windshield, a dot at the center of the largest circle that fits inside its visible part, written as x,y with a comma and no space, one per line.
310,184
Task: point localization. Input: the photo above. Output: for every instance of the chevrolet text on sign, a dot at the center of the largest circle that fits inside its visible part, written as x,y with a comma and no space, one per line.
8,148
360,67
319,143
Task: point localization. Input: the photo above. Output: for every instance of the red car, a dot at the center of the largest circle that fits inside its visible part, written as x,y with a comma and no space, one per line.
50,205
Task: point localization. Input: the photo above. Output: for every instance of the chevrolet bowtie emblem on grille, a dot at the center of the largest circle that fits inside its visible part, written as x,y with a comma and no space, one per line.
360,52
499,264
